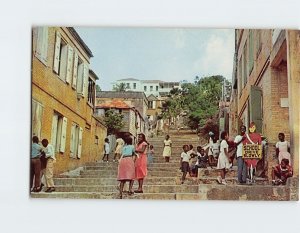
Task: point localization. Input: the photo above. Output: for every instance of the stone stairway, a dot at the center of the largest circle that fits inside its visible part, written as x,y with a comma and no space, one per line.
98,180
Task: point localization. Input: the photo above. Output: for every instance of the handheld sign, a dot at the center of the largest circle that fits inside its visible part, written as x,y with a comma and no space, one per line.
252,151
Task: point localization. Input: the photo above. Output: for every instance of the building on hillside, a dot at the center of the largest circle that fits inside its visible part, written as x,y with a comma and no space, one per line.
136,101
134,121
63,97
266,85
149,87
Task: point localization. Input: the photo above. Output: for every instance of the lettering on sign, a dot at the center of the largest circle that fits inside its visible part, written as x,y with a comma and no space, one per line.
252,151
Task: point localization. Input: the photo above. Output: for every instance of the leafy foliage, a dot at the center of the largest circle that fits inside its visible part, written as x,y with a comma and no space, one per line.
98,88
120,87
113,121
199,99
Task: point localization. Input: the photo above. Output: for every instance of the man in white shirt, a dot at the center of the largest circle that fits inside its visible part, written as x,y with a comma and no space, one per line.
242,168
50,156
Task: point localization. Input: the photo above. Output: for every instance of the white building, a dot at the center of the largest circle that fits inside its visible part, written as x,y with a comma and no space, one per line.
155,87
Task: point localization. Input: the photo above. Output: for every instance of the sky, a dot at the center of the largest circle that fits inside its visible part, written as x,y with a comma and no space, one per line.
168,54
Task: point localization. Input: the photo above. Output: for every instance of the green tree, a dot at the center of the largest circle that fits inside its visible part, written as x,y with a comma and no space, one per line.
201,99
113,121
98,88
120,87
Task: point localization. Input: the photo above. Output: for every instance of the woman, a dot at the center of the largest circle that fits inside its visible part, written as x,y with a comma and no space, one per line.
126,169
223,160
167,148
141,161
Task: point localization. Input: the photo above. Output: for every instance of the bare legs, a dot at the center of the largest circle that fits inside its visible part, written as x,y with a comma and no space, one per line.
167,159
122,183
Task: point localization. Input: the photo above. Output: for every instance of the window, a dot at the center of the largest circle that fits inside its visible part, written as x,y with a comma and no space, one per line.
58,132
156,88
63,59
91,92
240,76
251,52
36,118
245,67
150,104
82,77
41,48
76,141
145,88
128,85
258,42
62,67
151,88
134,85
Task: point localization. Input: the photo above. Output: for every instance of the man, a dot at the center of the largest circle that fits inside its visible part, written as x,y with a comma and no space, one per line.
35,165
242,169
50,156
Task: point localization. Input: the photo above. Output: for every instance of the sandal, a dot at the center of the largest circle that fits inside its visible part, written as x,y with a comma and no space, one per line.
138,191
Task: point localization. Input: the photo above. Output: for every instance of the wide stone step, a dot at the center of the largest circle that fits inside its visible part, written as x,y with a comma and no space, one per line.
150,168
231,181
206,192
99,174
113,181
146,188
209,172
95,166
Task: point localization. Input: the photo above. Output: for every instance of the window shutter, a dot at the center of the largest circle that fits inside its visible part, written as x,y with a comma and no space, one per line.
54,130
72,142
69,64
39,112
74,82
63,135
56,52
85,79
45,44
79,143
39,40
255,105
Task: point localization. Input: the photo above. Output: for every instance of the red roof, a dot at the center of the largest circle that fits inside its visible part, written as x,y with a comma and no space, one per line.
114,104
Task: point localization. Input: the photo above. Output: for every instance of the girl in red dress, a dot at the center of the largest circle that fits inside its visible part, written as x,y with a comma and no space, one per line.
141,162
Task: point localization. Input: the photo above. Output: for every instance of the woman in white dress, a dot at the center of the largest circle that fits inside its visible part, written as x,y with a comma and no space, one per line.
223,161
167,148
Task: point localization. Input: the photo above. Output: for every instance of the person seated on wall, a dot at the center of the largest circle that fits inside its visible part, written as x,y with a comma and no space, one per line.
281,172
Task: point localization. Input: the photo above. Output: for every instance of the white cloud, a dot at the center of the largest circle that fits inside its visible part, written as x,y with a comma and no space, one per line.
218,55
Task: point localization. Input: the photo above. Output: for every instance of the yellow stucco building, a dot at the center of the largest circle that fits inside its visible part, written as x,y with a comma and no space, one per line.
63,97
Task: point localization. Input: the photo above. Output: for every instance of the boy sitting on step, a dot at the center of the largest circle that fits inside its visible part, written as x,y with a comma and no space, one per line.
202,160
281,171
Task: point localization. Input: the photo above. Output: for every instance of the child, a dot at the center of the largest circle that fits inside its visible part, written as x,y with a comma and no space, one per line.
150,155
283,148
184,162
193,160
106,150
281,171
50,156
215,150
202,160
223,160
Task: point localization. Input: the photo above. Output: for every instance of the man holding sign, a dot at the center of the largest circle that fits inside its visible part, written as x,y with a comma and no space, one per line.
252,150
